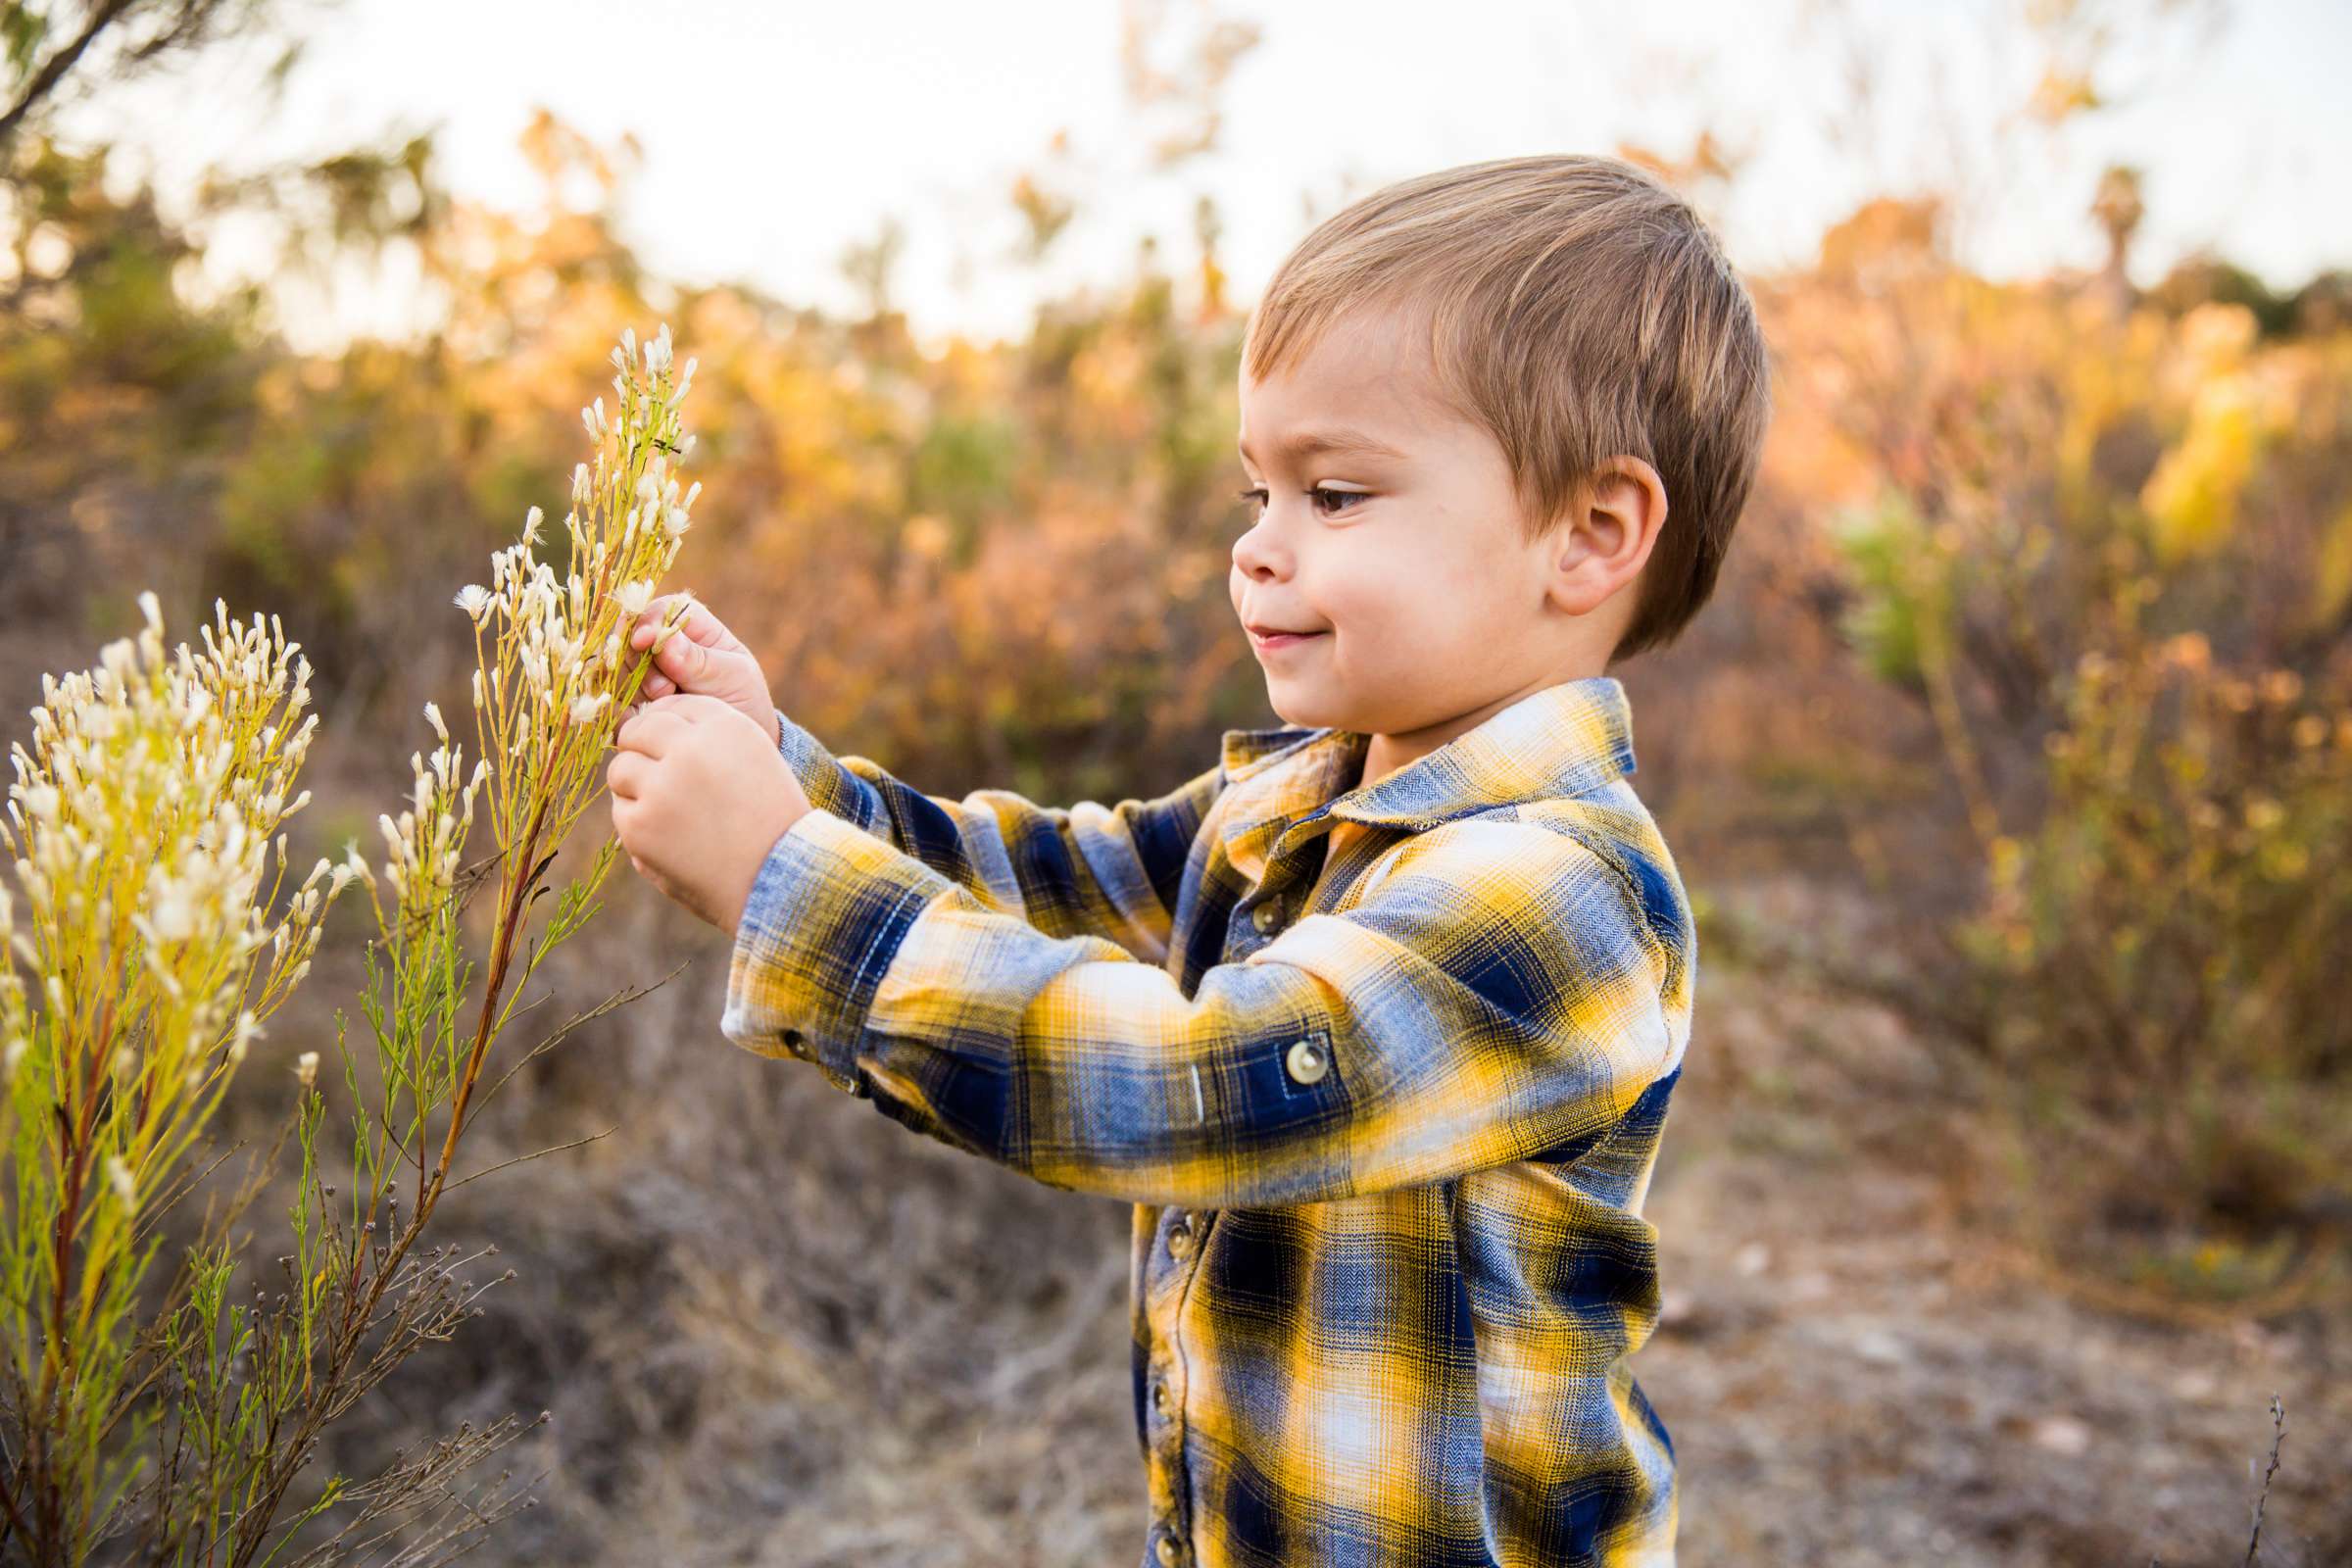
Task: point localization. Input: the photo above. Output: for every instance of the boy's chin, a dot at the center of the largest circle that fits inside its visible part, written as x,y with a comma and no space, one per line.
1304,710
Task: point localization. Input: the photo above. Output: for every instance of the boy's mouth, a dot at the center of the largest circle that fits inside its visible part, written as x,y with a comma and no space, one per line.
1267,638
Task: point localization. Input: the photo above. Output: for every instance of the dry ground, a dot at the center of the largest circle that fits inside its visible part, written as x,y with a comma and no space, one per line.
775,1327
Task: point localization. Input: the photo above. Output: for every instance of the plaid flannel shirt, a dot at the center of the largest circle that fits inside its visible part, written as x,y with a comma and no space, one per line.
1389,1149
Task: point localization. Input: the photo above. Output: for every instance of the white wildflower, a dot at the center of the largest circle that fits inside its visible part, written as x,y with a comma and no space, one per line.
585,710
531,525
119,1176
306,1068
247,1032
433,716
173,919
633,598
476,600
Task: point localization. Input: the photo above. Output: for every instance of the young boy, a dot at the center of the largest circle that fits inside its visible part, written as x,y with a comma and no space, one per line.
1376,1019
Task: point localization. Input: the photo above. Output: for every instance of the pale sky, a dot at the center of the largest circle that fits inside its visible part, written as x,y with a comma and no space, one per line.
775,133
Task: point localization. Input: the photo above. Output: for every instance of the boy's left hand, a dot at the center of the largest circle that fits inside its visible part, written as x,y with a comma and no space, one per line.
699,798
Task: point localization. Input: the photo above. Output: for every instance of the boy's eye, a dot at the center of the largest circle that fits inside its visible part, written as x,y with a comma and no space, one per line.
1321,495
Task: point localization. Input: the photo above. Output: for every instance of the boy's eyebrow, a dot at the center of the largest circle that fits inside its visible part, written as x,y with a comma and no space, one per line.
1317,443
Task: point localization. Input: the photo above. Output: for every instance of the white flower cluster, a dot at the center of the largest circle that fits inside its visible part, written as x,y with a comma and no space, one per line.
16,1027
154,791
423,845
562,660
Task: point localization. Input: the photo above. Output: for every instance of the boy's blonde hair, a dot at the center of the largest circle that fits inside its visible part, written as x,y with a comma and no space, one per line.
1577,308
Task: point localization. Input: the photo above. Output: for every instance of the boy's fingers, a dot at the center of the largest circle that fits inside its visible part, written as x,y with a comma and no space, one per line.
648,731
690,707
657,610
698,625
623,774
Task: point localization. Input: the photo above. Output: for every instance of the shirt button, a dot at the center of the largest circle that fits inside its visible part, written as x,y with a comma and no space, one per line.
1180,1238
791,1041
1307,1061
1167,1551
1159,1396
1267,915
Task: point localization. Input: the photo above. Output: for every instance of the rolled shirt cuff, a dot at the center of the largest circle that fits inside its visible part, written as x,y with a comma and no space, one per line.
827,913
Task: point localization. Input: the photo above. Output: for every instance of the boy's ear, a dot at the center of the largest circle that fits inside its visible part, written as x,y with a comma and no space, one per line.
1614,522
1625,505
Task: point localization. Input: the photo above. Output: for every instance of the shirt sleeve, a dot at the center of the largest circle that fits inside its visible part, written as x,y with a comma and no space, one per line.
1109,871
1499,996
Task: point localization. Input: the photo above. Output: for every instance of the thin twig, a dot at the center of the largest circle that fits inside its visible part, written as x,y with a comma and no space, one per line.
521,1158
2277,1438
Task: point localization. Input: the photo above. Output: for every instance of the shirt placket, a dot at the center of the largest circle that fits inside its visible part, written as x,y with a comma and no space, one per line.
1181,1236
1179,1242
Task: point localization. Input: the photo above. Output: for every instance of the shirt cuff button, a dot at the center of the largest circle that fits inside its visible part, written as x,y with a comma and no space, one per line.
1307,1061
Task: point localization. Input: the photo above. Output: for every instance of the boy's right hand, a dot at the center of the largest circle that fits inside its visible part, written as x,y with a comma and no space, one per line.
703,658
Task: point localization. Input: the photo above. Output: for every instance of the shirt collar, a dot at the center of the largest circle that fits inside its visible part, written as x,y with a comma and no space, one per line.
1565,739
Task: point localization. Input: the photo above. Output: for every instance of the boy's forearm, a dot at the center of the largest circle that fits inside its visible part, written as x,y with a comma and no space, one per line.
1111,872
1354,1054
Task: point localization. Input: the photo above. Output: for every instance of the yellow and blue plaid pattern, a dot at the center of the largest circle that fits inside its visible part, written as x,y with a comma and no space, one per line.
1389,1149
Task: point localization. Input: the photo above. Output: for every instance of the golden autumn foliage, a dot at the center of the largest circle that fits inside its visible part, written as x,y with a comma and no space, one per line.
1003,562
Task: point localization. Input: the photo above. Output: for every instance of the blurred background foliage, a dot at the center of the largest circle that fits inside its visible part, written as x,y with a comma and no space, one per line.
2032,664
